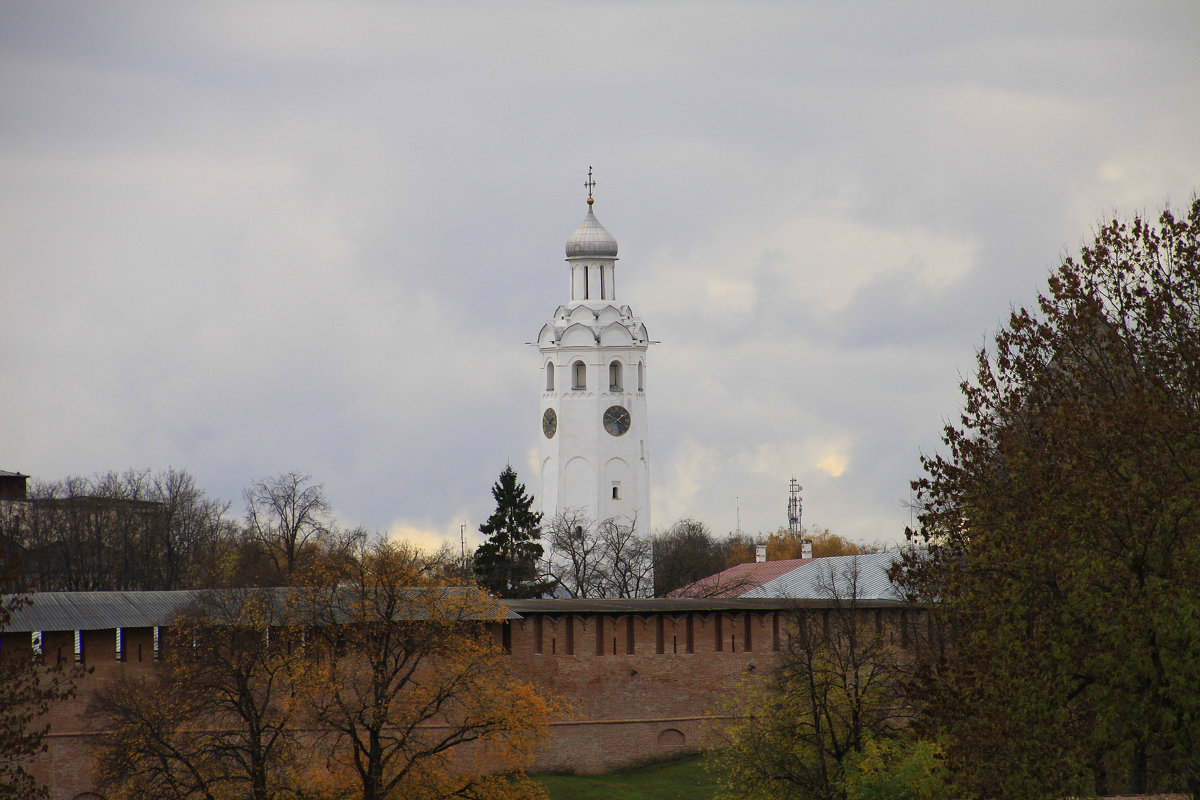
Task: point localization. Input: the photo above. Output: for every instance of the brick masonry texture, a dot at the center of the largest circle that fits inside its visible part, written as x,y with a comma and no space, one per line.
635,692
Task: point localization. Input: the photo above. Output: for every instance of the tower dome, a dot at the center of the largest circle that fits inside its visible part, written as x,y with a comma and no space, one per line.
591,239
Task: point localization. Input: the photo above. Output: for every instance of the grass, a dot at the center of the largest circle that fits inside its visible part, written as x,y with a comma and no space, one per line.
682,779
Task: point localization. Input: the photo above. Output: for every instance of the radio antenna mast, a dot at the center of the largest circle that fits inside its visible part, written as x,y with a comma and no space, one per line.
794,507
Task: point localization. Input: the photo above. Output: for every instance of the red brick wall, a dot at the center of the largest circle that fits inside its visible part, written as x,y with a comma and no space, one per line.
634,691
655,698
66,766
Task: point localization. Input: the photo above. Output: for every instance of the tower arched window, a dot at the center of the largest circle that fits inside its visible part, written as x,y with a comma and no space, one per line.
614,376
579,375
641,376
549,376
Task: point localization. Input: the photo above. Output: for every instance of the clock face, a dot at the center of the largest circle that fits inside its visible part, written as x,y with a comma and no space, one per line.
616,420
549,423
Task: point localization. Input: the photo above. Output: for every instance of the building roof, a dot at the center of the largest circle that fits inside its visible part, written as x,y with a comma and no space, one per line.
864,577
739,579
761,586
87,611
667,605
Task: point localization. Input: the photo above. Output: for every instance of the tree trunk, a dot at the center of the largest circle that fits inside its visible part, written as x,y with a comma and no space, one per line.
1137,777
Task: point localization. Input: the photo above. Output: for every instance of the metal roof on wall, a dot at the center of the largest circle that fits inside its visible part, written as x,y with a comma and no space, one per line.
670,605
800,587
88,611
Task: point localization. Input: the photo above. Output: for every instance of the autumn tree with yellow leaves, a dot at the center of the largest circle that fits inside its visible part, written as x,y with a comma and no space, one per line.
783,544
419,702
373,680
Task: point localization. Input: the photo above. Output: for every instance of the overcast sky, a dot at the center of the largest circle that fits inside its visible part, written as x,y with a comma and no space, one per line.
244,238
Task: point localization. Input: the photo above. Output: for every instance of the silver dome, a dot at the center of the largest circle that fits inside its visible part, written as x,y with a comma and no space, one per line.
591,240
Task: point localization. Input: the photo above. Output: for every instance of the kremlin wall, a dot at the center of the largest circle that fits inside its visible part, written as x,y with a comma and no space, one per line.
644,679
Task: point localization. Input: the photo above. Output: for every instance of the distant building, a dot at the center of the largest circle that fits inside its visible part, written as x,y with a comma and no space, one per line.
595,452
864,577
739,579
14,505
69,542
13,485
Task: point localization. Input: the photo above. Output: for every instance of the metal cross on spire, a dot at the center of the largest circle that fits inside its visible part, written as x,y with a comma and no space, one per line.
590,184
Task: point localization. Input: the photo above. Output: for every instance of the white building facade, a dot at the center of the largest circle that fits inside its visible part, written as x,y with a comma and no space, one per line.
595,456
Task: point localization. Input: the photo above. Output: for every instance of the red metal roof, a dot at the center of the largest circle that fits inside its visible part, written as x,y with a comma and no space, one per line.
738,579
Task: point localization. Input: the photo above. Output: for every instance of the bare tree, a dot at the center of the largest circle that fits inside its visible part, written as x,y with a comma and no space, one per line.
628,559
607,559
572,560
286,514
192,531
130,530
685,553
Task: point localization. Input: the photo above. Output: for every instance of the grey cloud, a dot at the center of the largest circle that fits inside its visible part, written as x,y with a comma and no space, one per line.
243,238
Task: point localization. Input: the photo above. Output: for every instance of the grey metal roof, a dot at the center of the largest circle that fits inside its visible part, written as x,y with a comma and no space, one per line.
66,611
348,597
87,611
865,576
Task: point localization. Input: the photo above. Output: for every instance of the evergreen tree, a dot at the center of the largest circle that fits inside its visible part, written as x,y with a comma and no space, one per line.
507,564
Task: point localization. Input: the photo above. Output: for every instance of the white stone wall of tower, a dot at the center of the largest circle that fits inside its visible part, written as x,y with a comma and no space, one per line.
582,462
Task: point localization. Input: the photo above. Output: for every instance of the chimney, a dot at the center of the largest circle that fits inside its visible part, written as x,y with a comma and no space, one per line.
806,549
760,553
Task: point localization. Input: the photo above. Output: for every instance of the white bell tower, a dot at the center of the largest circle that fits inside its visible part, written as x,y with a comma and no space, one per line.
595,454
